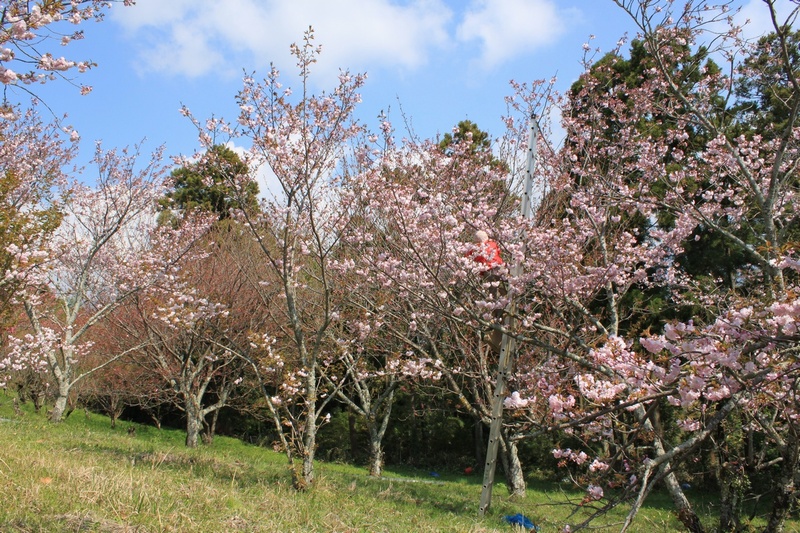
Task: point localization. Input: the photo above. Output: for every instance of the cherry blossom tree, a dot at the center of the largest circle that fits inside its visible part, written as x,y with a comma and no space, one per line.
106,249
185,324
29,382
421,206
621,208
32,156
374,359
27,27
302,140
624,207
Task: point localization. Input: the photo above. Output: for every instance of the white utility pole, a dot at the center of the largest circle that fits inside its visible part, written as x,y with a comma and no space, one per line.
508,344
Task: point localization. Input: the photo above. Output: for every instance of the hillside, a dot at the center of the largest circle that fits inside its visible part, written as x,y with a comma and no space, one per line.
81,475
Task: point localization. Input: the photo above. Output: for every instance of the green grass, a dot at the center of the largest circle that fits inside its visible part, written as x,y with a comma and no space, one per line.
83,476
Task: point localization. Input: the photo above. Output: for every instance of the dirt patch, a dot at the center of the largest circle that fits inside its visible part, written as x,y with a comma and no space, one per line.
87,522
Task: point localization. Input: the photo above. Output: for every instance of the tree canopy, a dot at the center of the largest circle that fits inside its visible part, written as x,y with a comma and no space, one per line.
207,184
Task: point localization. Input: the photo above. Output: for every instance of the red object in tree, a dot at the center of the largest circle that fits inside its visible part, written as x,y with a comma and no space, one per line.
487,252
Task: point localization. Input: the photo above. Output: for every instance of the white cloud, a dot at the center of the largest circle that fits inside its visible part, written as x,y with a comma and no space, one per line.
184,53
197,37
509,28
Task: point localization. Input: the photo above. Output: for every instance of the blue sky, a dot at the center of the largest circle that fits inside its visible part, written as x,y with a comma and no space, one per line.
441,61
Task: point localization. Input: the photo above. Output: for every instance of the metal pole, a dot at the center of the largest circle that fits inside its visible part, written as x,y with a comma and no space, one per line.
508,344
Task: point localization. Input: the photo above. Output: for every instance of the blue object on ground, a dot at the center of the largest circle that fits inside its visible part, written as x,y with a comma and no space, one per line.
435,474
521,520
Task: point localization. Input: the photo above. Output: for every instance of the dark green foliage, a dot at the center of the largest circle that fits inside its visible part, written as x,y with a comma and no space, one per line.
478,142
622,77
764,103
424,433
343,438
468,131
217,183
765,96
711,257
474,144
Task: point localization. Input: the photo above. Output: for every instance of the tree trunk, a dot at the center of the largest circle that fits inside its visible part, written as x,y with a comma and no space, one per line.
686,514
194,423
38,398
60,405
310,438
785,493
62,377
156,420
115,409
684,509
378,418
730,500
375,452
512,467
22,392
211,428
307,476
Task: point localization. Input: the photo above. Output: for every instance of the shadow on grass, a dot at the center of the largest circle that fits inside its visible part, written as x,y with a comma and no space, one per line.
409,490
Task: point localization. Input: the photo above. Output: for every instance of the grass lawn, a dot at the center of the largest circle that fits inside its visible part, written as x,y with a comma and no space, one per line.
82,476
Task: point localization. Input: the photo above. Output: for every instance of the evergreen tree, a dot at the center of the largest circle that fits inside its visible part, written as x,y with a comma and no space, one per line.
207,184
467,131
764,91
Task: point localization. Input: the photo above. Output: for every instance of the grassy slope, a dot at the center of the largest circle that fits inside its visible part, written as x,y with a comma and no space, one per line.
83,476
